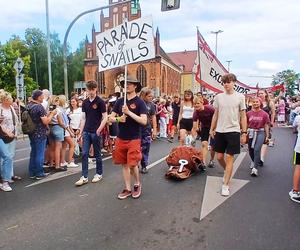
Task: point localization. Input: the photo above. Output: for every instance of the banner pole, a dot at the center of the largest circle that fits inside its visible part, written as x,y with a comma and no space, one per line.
200,75
125,85
126,71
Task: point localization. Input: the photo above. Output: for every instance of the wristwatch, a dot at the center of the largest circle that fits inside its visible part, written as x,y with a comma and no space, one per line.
244,132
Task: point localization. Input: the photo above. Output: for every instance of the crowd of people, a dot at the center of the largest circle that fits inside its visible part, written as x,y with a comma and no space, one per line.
88,126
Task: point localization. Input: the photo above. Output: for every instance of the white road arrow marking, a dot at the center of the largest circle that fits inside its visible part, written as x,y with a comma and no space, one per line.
60,175
212,197
77,170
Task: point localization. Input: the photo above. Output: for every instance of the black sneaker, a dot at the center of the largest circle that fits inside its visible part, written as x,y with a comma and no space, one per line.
202,167
144,170
170,140
211,164
42,176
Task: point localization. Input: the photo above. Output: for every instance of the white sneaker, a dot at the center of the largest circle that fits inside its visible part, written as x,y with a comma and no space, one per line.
97,178
254,172
81,181
5,187
64,164
92,160
72,165
225,190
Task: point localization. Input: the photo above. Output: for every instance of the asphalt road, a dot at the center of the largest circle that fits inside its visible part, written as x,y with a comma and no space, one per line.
57,215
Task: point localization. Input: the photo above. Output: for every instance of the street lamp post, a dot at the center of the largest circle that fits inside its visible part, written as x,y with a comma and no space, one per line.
228,64
66,39
216,45
48,49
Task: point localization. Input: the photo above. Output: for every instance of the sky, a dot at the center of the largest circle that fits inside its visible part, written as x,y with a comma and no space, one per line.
260,37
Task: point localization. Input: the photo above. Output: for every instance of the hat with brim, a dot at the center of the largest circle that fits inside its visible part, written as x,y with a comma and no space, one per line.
136,82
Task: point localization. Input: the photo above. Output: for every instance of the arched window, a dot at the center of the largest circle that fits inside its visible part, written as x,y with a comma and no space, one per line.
89,53
141,75
101,82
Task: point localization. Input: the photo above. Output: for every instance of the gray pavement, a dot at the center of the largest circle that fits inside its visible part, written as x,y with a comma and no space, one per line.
56,215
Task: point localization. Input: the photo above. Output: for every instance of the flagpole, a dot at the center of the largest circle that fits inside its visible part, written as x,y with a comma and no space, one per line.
201,87
125,85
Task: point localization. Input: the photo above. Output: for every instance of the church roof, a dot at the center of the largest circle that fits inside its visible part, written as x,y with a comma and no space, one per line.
185,59
166,56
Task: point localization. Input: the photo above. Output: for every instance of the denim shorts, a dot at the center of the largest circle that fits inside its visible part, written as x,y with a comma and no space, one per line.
57,133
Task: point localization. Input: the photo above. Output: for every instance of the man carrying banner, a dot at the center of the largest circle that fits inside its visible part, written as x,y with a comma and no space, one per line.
228,127
130,118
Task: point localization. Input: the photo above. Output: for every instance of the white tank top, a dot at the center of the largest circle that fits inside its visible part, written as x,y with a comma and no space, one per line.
187,112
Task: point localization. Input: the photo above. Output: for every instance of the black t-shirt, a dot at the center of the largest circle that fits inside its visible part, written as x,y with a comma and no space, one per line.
130,129
146,130
176,110
93,113
36,111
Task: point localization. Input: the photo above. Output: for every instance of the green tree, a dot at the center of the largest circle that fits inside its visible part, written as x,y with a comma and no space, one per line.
37,48
290,79
9,53
76,65
57,64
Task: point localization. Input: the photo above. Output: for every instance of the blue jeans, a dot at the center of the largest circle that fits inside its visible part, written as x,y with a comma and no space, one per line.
7,153
37,152
88,140
255,152
145,144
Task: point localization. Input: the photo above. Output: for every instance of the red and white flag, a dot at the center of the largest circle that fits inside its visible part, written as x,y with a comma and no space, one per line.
209,71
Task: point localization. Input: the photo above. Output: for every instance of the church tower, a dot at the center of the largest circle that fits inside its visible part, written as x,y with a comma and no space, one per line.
160,73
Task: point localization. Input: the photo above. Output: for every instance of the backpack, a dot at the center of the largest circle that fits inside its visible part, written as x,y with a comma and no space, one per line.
28,126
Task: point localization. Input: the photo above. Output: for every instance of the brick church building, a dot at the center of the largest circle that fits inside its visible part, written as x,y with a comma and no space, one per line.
160,73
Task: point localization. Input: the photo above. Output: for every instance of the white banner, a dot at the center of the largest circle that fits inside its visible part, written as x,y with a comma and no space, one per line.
127,43
209,71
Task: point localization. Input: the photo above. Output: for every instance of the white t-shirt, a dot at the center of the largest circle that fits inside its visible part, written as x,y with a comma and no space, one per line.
296,124
54,119
45,104
75,117
229,107
8,122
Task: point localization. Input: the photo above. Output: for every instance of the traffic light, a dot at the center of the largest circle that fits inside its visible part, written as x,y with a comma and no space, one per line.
167,5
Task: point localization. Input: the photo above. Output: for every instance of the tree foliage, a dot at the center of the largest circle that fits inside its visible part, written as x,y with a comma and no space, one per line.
33,51
290,79
9,53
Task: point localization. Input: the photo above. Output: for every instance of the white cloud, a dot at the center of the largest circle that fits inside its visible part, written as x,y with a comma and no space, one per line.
259,36
266,65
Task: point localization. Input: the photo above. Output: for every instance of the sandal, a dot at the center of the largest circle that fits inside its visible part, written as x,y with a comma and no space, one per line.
16,178
61,169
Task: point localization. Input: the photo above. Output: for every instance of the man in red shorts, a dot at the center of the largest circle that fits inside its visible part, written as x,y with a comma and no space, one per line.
130,118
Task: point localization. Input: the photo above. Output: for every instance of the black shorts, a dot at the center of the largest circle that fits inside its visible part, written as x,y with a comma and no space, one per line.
186,124
296,158
228,143
204,134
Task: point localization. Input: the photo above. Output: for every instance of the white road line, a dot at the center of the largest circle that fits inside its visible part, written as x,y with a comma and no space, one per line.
23,159
72,171
23,149
69,172
157,162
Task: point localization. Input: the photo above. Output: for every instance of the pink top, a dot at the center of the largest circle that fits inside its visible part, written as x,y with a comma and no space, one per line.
257,119
281,107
